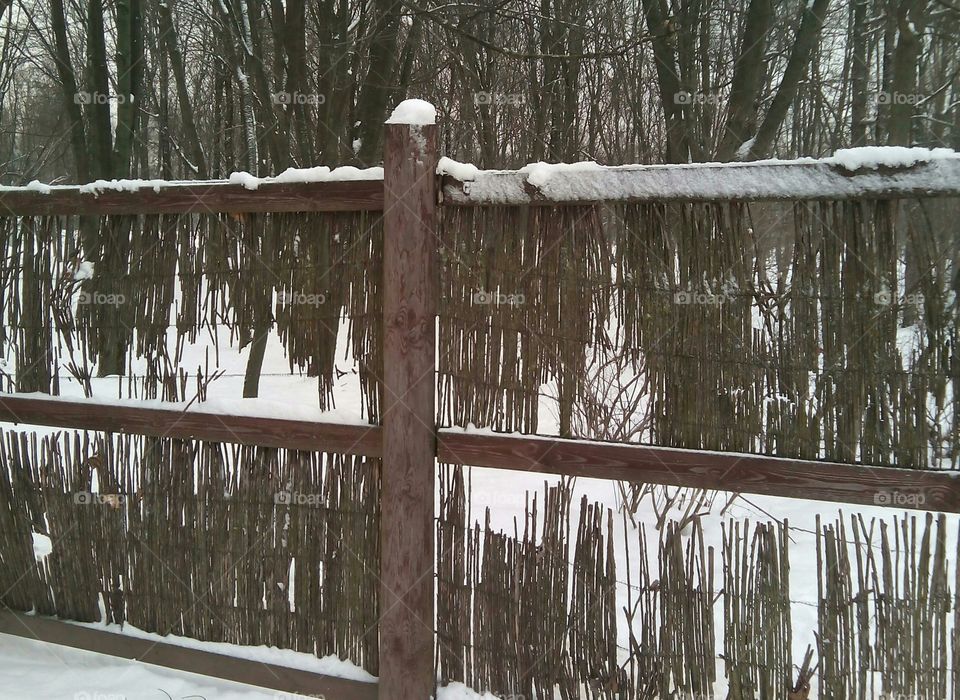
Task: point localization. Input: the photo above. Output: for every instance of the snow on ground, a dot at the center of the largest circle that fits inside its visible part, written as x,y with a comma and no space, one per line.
40,671
327,666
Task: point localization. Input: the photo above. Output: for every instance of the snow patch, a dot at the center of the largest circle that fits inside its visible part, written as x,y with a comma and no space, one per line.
464,172
122,185
874,157
413,112
244,178
316,174
42,545
328,665
348,172
459,691
84,271
744,150
321,172
37,186
540,174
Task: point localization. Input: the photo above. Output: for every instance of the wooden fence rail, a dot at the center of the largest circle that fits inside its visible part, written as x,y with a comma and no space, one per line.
408,441
214,197
862,484
704,182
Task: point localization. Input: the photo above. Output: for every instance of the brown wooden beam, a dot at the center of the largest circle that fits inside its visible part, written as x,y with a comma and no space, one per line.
705,182
408,474
264,675
198,198
740,473
192,425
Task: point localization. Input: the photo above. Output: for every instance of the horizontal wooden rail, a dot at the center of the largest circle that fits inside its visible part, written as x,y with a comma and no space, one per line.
202,197
192,424
743,473
700,182
257,673
740,473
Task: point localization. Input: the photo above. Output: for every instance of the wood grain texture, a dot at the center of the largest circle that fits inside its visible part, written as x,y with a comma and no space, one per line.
207,197
193,424
742,473
410,288
707,182
281,678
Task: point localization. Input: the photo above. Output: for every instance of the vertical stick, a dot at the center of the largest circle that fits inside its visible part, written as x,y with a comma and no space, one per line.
409,430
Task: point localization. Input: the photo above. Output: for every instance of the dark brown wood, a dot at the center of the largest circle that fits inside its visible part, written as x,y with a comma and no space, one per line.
409,434
199,198
704,182
192,424
741,473
264,675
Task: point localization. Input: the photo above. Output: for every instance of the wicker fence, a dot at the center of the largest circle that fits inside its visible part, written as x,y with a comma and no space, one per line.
792,385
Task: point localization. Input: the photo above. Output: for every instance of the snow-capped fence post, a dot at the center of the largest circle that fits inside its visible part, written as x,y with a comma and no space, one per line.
410,287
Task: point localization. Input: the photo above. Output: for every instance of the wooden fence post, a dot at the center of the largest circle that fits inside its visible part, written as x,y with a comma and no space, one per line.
408,478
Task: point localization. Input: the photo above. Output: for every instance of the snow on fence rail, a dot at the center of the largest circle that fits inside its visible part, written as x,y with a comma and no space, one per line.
848,175
358,190
838,178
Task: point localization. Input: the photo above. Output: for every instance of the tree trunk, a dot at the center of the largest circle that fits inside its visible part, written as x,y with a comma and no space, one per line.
859,75
71,93
747,80
810,24
372,103
129,82
671,97
198,162
99,95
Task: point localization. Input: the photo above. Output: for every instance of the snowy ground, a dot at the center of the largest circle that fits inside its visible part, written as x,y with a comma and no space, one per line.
39,671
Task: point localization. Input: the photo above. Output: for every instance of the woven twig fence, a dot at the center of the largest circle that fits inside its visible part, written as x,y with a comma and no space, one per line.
222,543
545,609
766,328
173,279
784,329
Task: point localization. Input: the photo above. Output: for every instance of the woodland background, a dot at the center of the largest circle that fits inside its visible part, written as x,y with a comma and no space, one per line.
164,88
